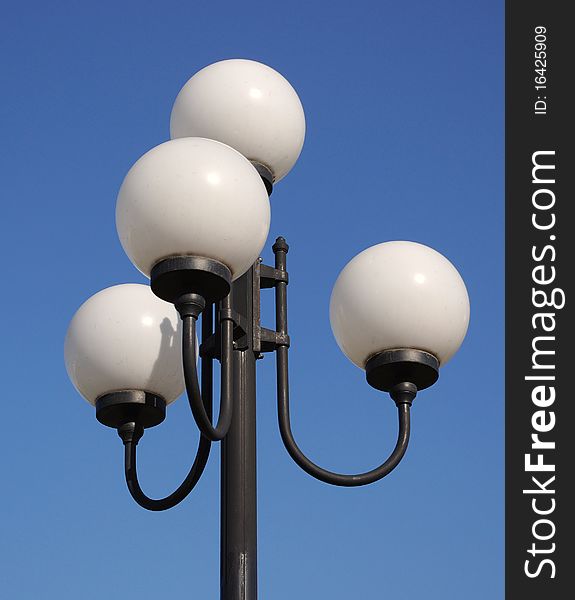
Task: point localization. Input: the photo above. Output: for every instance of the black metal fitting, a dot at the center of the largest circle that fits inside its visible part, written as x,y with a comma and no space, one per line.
390,368
175,277
266,175
403,393
190,305
130,406
280,245
130,432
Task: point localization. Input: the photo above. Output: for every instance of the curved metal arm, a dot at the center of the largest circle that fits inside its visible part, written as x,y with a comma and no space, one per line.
203,420
314,470
203,451
176,497
280,249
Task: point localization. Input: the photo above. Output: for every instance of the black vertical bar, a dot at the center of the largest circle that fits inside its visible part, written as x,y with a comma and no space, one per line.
207,368
280,249
540,159
238,567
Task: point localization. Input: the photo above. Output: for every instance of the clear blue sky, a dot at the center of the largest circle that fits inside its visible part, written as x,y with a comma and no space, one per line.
404,108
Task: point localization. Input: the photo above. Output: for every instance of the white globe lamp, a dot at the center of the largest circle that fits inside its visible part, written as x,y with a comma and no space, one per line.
399,296
193,197
126,340
246,105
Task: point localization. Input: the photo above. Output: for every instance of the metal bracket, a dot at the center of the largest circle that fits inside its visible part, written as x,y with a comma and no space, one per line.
268,276
265,277
265,340
270,340
211,347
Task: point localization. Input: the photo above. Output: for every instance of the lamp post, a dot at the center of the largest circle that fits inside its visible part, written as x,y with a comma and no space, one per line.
193,214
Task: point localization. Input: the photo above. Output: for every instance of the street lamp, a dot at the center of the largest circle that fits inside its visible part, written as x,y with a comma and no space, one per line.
193,214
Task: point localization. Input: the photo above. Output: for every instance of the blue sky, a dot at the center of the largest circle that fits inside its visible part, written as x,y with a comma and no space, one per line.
404,109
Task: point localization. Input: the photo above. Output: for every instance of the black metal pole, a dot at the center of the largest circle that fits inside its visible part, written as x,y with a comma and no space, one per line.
238,550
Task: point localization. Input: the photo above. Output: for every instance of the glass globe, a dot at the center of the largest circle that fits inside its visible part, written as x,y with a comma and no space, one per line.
125,338
399,295
246,105
193,197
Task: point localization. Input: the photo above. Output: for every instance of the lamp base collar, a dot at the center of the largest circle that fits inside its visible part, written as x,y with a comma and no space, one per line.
385,370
